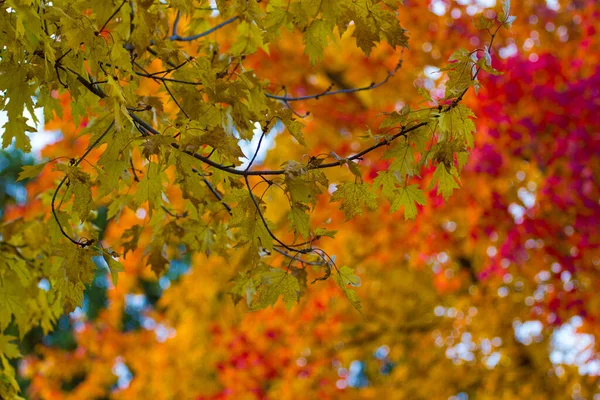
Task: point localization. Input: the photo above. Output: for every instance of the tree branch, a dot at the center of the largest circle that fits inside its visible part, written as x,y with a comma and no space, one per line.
328,92
176,38
111,17
81,241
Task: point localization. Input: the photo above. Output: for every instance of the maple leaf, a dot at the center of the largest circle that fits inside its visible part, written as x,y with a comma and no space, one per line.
299,219
131,236
246,283
12,303
295,129
319,232
157,261
408,197
316,38
457,123
345,276
446,181
459,73
30,171
396,118
404,163
114,266
9,349
276,283
152,100
150,186
303,186
15,83
353,197
153,144
387,182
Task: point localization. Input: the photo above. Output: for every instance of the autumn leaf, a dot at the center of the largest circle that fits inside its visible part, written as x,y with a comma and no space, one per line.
276,283
7,348
446,181
200,139
408,197
354,196
345,276
30,171
157,260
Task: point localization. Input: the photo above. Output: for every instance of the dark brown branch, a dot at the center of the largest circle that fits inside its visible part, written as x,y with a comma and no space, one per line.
110,18
175,37
82,241
175,100
328,92
147,127
296,258
173,214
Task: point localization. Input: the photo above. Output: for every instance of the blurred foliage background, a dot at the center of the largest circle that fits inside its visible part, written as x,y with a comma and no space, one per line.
491,296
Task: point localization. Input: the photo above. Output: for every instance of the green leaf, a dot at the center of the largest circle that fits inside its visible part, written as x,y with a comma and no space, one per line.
404,163
445,180
30,171
9,387
345,276
485,65
81,187
303,186
408,197
320,232
16,128
249,39
130,238
387,181
295,129
114,267
355,169
15,83
425,93
10,350
462,158
459,73
224,143
420,138
458,124
78,270
299,219
245,217
316,39
373,23
396,118
353,197
244,286
276,283
150,187
482,22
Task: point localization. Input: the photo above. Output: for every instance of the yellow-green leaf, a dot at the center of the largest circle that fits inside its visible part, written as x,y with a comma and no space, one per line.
408,197
30,171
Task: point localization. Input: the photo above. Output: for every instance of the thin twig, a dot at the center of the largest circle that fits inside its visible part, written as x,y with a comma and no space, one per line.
328,92
175,37
81,242
111,17
175,100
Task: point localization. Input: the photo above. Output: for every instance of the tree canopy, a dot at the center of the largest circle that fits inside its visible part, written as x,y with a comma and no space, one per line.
255,199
